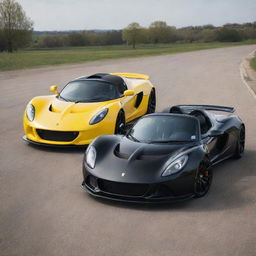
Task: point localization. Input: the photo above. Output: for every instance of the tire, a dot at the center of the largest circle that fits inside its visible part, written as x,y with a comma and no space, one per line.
240,144
203,179
151,102
120,123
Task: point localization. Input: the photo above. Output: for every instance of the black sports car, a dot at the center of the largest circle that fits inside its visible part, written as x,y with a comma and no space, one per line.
165,156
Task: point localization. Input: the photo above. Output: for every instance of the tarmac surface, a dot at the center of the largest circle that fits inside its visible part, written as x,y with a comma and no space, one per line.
43,211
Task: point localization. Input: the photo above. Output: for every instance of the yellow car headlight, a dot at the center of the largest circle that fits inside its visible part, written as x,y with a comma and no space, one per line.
99,117
30,112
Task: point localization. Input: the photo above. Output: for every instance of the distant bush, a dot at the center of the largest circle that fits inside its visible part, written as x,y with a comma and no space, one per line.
75,39
51,41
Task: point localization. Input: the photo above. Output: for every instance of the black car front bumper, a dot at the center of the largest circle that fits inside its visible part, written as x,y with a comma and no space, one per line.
136,193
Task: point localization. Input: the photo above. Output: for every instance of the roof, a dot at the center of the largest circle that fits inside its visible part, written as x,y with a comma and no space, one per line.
113,79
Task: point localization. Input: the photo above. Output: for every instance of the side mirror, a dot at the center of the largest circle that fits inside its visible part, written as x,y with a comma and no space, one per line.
53,89
215,133
129,93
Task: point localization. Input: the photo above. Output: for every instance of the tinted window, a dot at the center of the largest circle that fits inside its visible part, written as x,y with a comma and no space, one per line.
89,91
165,129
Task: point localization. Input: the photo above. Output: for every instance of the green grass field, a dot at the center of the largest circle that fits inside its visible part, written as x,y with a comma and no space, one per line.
253,63
36,58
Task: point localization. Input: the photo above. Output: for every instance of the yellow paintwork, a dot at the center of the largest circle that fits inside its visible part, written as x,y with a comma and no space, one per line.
131,75
70,116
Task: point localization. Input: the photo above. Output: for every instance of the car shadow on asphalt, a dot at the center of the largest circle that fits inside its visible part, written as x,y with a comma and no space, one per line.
59,149
231,188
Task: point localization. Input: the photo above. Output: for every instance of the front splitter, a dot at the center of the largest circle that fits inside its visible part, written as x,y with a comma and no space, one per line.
52,145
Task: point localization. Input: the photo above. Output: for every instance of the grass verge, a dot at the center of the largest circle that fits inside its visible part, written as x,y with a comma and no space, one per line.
45,57
253,63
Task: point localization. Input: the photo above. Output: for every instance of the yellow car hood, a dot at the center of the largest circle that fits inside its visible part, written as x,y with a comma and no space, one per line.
54,114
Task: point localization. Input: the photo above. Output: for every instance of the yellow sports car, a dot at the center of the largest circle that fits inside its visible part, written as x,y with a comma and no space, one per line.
88,107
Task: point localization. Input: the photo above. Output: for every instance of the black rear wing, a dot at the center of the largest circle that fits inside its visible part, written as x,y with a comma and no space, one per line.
207,107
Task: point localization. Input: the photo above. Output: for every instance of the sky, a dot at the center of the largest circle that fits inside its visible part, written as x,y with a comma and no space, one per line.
117,14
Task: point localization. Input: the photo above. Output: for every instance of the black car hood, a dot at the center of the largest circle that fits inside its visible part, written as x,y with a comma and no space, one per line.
130,161
144,151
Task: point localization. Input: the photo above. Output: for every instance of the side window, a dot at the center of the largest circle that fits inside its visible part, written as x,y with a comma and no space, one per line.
125,86
205,124
121,88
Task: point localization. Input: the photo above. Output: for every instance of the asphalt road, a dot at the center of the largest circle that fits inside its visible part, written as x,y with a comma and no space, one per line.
43,211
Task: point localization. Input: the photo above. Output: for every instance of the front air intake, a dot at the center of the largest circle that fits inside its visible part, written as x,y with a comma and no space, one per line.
57,135
124,189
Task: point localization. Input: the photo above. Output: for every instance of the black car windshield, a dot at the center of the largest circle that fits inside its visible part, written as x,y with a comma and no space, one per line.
88,91
164,129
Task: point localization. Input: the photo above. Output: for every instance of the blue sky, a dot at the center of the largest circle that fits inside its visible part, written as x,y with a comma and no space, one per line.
117,14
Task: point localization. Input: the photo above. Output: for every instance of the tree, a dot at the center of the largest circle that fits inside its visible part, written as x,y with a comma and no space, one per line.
15,26
160,32
2,41
76,39
113,37
132,34
226,34
189,34
208,35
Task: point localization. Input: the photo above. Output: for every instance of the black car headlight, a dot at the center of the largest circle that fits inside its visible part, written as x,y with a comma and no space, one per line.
30,112
176,165
90,156
98,117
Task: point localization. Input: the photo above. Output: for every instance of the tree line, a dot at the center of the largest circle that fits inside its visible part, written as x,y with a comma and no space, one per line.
157,32
81,38
16,31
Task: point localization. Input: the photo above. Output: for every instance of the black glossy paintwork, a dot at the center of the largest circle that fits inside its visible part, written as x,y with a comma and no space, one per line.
224,145
121,160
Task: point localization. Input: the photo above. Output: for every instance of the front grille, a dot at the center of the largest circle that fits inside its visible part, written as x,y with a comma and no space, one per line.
56,135
119,188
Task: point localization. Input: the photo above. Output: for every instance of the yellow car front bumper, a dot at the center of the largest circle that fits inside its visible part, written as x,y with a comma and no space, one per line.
62,137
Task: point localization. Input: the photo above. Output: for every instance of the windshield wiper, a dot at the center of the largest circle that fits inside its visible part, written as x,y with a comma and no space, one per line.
63,98
100,98
133,138
168,141
91,100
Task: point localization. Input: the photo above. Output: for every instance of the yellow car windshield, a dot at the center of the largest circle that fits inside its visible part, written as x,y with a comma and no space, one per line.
89,91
